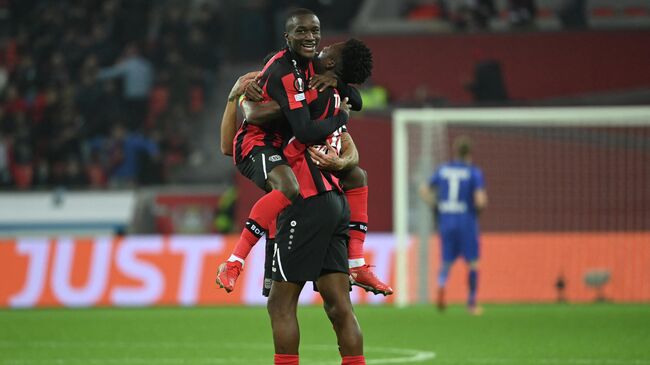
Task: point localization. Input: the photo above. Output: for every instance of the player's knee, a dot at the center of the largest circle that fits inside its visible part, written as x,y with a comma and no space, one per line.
338,313
277,309
355,178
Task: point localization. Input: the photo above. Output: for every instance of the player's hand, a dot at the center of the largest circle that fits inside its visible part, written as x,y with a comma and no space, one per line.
241,84
345,106
329,161
323,81
253,91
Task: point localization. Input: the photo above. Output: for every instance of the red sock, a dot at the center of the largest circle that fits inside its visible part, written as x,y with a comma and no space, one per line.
353,360
282,359
358,201
263,213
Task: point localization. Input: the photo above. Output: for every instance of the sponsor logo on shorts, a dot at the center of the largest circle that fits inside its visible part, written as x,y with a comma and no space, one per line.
275,158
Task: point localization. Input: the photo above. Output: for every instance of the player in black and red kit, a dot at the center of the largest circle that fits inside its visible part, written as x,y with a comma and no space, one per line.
347,62
257,151
312,232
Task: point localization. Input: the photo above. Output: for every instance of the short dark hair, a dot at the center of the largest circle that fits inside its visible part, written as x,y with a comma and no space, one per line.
463,146
356,59
296,12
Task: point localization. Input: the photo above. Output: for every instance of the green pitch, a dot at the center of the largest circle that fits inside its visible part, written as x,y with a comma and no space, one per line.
506,334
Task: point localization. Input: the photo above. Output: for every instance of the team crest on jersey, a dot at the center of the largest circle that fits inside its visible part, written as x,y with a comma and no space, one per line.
299,84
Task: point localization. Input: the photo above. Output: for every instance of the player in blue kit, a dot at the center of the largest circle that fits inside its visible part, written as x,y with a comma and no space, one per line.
456,192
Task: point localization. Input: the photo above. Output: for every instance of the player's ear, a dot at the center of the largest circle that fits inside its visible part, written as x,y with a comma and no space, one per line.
330,63
286,37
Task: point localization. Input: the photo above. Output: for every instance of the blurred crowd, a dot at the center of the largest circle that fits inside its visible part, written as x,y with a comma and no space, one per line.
102,92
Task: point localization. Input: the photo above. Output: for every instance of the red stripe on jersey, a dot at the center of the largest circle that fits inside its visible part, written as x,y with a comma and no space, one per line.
295,153
294,97
250,136
273,59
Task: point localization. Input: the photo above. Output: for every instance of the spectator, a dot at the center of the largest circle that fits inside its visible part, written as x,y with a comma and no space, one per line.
122,153
474,14
522,13
137,77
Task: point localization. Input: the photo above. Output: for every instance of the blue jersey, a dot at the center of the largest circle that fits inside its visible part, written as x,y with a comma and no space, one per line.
455,183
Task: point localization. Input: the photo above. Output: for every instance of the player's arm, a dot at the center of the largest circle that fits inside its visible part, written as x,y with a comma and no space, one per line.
295,109
428,194
309,131
331,161
480,199
329,79
479,195
229,117
261,113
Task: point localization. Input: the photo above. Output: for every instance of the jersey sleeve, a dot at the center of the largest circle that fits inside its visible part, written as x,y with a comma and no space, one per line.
288,91
350,92
477,179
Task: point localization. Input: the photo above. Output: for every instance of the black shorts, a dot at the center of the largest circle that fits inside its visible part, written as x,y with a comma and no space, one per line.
312,238
259,162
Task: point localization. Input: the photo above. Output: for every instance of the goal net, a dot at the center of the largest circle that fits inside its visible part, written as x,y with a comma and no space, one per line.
557,179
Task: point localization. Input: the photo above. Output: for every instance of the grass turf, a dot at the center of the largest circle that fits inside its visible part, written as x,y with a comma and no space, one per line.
506,334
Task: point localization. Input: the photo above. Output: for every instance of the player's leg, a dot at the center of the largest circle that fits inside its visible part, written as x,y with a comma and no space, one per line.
355,185
268,260
449,250
470,243
282,308
268,169
334,286
334,289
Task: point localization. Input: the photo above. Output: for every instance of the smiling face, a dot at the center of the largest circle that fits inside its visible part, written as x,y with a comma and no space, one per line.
303,34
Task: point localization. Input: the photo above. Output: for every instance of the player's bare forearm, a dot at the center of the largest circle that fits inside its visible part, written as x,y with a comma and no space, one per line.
480,199
261,113
229,117
349,152
228,127
428,195
332,161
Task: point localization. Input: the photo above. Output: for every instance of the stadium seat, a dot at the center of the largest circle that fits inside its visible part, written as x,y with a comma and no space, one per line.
96,176
23,176
424,12
603,12
635,11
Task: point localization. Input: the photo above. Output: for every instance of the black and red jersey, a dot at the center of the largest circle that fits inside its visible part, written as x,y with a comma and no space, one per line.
284,79
311,179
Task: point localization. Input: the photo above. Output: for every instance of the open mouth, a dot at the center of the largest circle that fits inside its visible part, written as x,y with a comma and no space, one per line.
309,47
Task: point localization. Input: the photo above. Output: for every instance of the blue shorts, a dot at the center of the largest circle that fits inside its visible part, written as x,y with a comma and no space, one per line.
459,237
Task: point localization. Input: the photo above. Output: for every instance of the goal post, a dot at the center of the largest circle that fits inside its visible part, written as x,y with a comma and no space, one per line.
421,140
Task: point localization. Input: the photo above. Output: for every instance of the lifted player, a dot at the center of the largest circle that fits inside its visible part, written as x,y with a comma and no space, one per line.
344,63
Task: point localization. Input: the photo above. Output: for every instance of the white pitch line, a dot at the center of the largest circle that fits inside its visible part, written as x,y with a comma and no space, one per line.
399,355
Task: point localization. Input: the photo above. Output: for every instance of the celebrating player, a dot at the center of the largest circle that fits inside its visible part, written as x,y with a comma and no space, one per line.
350,62
311,242
457,193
